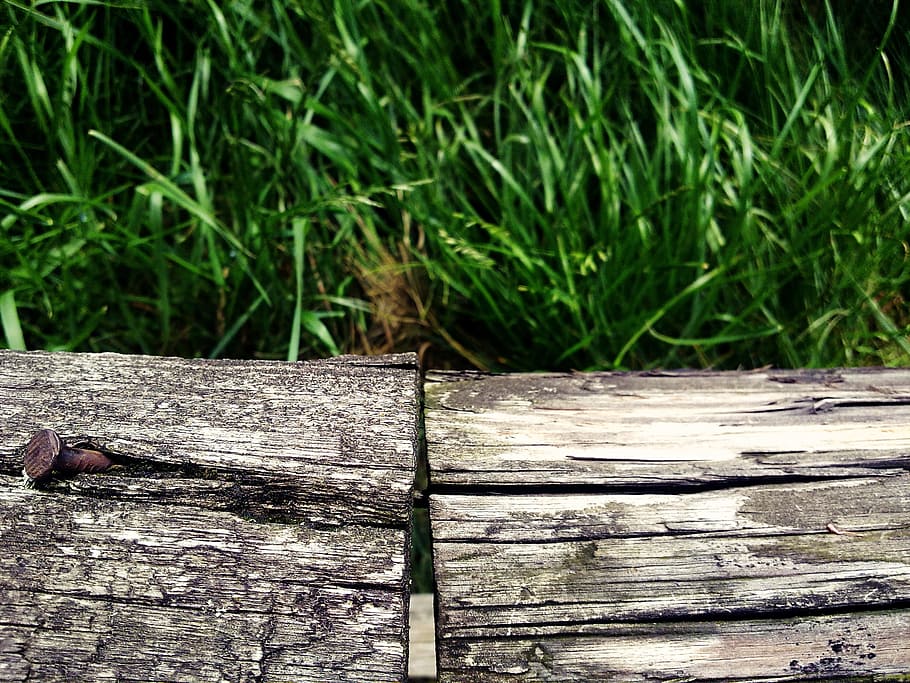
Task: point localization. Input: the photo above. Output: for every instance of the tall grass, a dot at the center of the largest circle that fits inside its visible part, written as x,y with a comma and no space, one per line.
516,184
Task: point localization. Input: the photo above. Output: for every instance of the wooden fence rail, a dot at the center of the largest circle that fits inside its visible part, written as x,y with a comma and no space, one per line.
601,526
671,526
255,530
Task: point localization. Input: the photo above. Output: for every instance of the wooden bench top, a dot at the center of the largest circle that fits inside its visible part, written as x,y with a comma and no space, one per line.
257,528
670,526
603,526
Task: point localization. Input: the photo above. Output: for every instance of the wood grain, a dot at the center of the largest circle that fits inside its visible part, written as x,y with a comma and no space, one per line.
256,528
682,428
577,542
835,647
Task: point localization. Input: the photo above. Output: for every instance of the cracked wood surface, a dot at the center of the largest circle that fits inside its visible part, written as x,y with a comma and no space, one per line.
256,527
659,429
789,649
695,526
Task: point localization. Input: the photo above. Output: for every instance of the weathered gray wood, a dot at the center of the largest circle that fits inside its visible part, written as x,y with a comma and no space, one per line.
666,428
573,541
257,528
422,637
805,648
862,505
646,566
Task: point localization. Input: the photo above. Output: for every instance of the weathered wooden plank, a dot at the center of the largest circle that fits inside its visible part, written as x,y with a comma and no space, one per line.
256,528
806,648
647,562
575,542
860,505
665,429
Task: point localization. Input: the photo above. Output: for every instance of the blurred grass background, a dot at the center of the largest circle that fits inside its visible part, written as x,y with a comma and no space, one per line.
506,185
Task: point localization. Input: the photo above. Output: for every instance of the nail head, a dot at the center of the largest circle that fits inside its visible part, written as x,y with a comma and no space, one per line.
41,454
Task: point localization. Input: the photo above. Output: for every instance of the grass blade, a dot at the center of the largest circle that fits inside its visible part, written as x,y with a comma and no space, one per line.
9,319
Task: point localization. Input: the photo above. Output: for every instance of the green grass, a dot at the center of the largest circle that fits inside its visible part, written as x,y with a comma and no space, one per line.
527,185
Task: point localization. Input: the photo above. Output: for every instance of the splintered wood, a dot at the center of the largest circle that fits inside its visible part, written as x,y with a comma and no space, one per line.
671,526
256,527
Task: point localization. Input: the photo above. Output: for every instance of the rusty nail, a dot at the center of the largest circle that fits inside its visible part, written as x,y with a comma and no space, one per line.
46,452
